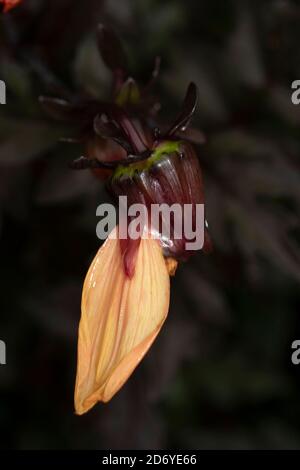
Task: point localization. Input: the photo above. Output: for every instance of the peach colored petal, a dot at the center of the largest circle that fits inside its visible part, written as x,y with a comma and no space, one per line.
120,319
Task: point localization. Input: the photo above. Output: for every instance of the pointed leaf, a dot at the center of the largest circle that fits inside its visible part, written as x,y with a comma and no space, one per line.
188,109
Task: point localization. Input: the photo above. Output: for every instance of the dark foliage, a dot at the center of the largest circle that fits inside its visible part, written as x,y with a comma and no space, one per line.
220,373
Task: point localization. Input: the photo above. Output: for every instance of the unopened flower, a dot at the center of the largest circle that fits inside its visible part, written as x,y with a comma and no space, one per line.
126,292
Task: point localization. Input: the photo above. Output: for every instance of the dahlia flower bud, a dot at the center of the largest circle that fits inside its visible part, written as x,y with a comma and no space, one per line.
125,297
126,292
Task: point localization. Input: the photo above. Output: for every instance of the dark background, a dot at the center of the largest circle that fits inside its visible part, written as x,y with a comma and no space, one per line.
220,372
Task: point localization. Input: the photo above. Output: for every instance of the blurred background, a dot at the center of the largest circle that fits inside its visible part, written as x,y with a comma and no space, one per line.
220,373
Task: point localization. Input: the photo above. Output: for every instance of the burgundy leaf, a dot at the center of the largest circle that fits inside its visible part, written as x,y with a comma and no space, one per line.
188,109
111,49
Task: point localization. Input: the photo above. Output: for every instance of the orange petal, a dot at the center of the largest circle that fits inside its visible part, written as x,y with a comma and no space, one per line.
8,4
120,319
